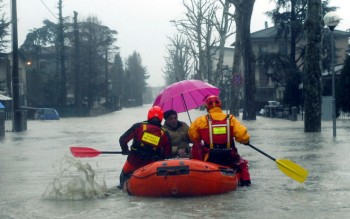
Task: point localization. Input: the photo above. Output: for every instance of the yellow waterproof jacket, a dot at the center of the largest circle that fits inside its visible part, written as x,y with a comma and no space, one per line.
240,132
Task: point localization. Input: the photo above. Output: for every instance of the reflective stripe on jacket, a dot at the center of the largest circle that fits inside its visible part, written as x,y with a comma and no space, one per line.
196,133
150,141
147,140
217,135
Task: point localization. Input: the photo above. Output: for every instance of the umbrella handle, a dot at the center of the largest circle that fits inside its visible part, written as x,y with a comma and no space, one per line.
183,100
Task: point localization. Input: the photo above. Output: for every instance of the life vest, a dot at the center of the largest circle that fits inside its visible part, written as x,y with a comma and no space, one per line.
218,135
147,141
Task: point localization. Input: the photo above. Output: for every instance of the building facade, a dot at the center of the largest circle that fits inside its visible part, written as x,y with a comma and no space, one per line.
6,76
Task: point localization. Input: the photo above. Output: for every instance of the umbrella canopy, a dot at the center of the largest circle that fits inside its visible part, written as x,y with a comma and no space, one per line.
185,95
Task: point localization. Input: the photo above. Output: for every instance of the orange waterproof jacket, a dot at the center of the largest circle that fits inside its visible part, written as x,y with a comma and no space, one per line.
240,133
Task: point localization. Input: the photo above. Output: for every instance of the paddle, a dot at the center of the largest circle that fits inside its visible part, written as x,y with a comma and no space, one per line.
288,167
89,152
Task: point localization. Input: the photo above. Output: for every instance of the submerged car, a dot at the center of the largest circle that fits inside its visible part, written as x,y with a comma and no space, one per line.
46,114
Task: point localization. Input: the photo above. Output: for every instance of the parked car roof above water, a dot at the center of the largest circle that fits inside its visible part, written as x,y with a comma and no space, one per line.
46,114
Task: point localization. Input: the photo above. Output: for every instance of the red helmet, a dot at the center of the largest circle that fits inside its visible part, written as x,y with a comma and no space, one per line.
212,101
155,111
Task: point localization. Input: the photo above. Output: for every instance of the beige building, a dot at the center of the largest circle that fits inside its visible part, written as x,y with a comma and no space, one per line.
228,56
264,41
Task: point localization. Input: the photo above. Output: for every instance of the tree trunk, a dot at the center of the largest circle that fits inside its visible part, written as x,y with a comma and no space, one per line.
223,35
312,81
249,112
236,89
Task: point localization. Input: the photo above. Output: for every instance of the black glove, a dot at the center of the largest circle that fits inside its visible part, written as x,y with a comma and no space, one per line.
125,151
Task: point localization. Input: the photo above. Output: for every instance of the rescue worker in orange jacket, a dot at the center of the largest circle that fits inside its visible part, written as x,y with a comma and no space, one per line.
214,135
150,143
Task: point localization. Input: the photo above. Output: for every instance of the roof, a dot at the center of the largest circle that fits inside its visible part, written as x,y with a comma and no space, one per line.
272,31
264,33
3,97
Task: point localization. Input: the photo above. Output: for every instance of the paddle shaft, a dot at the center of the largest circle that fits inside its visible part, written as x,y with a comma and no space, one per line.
288,167
111,152
272,158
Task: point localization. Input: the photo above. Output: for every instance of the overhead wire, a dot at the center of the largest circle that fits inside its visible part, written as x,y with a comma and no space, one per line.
48,9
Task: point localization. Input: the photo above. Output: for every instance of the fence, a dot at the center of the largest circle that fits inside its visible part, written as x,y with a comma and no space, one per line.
344,115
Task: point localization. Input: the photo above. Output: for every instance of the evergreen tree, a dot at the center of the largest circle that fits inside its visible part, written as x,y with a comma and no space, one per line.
42,77
289,17
136,76
4,26
117,77
40,46
95,40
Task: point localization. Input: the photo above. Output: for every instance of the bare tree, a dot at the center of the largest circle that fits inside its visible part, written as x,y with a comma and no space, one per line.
178,63
223,27
198,28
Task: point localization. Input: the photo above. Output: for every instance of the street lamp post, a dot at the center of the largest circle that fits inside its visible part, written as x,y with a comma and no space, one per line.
331,19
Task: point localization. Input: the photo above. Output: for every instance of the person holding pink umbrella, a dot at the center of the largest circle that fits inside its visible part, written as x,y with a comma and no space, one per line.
214,135
178,131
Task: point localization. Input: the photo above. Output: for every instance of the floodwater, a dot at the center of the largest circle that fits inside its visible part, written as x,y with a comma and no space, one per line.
39,178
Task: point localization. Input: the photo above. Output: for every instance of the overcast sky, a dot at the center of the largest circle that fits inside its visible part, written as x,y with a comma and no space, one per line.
142,25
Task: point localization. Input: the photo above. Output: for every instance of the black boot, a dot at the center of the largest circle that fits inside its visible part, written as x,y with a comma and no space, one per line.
245,182
122,178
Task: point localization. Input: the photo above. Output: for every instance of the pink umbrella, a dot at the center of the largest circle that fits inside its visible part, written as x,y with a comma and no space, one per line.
185,95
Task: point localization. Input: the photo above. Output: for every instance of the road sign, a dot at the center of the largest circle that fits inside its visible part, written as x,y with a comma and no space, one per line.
237,79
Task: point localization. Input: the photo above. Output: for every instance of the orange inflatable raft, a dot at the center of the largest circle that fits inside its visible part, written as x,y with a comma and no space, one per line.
181,177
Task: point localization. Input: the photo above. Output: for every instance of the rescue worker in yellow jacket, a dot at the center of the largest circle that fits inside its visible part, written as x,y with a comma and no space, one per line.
214,135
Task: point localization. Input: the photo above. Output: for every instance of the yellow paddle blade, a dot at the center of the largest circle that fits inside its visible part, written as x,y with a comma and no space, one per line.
292,170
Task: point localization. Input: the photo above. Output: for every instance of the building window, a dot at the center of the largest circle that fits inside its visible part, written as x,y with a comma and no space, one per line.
43,65
283,48
262,49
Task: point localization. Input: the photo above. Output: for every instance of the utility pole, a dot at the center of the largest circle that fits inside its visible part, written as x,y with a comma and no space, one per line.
106,79
19,122
77,95
63,89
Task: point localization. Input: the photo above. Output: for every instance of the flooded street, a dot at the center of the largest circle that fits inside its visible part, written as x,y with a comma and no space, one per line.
33,164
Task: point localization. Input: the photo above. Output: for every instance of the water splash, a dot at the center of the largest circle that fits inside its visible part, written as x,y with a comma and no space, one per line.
75,181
